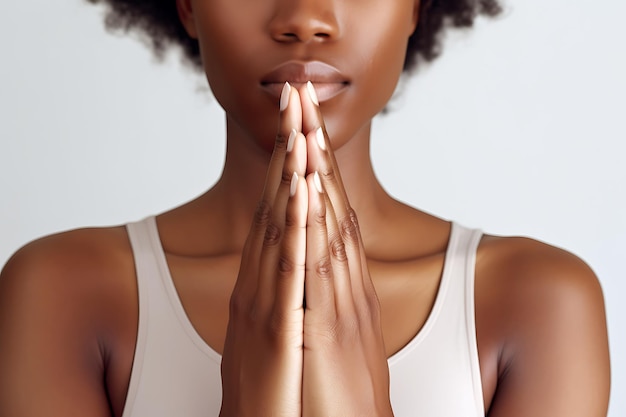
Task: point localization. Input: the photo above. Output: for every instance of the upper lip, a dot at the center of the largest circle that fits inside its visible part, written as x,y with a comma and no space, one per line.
301,72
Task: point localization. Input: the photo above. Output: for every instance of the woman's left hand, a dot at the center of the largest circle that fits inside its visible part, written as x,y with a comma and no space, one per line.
345,370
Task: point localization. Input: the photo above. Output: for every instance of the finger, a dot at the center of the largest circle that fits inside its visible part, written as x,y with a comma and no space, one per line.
344,236
290,119
345,263
319,285
289,283
281,216
363,290
368,285
295,161
251,250
320,156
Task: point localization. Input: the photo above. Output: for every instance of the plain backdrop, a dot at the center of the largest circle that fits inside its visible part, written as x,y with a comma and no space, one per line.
519,129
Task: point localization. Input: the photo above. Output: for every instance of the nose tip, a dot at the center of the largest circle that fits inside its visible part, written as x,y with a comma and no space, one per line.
297,22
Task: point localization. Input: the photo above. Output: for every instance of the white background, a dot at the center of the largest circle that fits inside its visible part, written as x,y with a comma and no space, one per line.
519,128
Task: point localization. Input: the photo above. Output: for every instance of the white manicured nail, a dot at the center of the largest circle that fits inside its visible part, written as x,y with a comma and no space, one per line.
317,182
292,139
294,184
284,96
319,135
312,93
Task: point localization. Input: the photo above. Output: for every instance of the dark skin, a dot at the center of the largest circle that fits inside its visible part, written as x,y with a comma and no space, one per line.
68,303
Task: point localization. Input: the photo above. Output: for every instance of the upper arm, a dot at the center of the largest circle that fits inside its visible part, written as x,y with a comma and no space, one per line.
50,361
555,357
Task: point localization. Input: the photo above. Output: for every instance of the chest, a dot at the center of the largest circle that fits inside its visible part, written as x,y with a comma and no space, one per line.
407,293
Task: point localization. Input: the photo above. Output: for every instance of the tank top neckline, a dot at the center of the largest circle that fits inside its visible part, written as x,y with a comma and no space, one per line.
195,337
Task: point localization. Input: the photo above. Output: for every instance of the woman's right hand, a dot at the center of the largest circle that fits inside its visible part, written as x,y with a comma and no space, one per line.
262,359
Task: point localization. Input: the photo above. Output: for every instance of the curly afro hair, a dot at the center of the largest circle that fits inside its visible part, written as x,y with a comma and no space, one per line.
158,24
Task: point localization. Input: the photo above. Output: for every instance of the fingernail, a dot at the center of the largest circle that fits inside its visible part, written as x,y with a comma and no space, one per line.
312,93
284,96
294,184
292,139
317,182
319,135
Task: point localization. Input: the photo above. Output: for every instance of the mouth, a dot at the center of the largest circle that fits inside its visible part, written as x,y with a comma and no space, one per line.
327,80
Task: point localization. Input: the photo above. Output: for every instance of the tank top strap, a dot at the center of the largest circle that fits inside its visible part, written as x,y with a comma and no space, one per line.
145,267
171,361
464,258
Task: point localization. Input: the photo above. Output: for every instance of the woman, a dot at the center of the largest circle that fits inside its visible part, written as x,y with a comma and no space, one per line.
307,304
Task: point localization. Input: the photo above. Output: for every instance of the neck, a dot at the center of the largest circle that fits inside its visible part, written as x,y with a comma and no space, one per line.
241,184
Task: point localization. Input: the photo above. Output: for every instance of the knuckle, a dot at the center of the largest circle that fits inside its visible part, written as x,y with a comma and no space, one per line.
319,218
285,178
323,268
272,235
291,219
328,174
281,141
262,214
338,249
348,230
285,265
353,218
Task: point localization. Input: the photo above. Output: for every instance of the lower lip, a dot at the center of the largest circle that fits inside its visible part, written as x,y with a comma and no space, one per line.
325,91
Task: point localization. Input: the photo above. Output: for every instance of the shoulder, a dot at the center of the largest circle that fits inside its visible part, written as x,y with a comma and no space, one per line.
68,310
527,272
79,270
540,312
76,255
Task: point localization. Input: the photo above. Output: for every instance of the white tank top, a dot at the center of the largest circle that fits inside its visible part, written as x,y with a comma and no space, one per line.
175,373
